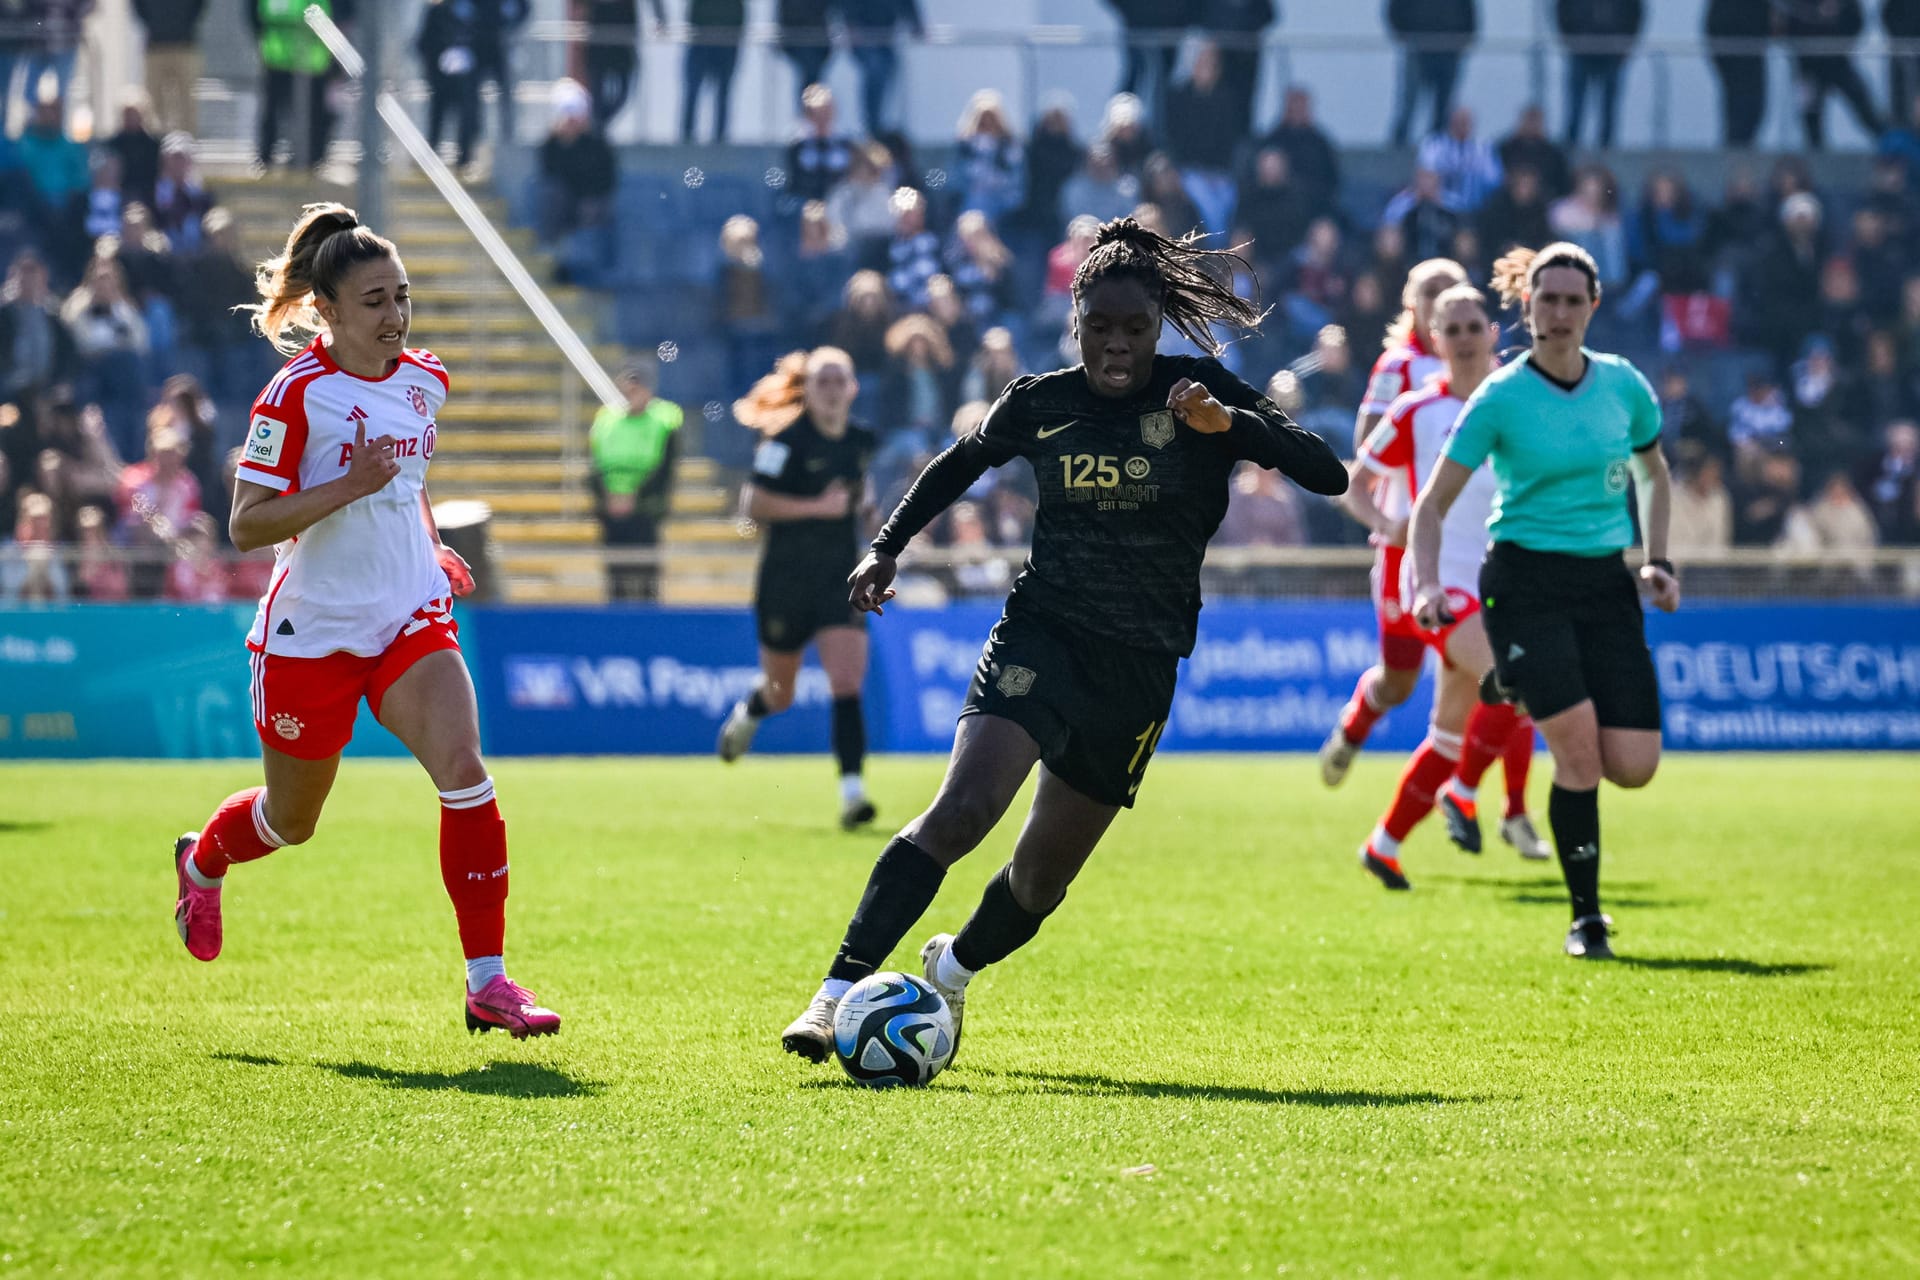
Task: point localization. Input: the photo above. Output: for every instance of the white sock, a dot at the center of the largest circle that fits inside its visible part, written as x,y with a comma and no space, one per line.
199,878
484,969
950,972
1462,792
852,787
834,988
1383,844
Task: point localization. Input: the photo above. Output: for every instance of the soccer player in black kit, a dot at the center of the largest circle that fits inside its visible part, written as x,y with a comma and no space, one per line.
1132,452
808,489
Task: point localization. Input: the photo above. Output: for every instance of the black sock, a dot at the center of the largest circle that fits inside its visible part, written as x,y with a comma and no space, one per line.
1575,818
899,891
757,706
849,735
999,926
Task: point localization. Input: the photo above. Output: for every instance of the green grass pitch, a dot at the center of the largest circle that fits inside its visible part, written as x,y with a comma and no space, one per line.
1230,1053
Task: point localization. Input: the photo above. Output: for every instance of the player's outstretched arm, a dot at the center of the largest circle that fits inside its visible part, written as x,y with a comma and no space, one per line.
948,476
262,516
1258,430
763,506
1430,509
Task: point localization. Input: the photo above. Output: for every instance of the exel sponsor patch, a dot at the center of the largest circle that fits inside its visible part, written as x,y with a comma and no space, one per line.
265,439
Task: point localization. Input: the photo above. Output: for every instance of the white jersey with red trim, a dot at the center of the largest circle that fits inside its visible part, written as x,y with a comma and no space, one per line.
1402,368
351,581
1408,444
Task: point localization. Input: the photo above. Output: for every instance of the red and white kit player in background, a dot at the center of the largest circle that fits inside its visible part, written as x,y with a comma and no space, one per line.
333,474
1406,364
1465,735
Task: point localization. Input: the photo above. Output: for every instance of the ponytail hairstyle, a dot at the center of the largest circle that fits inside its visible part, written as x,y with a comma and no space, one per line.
1518,270
326,243
1400,332
1193,286
779,398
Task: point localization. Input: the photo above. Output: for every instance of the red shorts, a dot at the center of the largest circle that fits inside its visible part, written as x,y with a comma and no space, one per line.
304,707
1462,605
1402,643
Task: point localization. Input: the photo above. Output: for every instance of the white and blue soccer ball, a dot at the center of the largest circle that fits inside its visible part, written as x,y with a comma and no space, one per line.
892,1029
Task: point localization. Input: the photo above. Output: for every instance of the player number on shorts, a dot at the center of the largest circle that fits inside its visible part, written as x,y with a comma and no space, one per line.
1089,471
1149,739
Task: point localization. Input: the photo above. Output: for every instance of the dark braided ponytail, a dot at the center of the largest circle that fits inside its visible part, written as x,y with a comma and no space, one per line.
1193,286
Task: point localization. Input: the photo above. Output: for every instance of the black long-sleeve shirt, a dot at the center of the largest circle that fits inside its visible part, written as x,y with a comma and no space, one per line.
1129,495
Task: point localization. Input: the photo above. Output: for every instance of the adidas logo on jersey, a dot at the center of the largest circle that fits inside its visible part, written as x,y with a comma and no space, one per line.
357,415
285,628
1515,653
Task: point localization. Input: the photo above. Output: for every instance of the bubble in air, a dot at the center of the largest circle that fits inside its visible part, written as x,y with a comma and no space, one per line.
668,352
695,177
936,179
713,411
776,179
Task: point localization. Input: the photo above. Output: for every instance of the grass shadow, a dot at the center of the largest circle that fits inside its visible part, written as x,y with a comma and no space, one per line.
10,827
1528,898
493,1080
1723,964
1543,883
1090,1084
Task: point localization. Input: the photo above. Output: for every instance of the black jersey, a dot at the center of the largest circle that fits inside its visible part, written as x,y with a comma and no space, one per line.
1129,495
800,463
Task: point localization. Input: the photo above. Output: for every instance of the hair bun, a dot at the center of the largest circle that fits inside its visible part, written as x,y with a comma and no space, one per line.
1121,230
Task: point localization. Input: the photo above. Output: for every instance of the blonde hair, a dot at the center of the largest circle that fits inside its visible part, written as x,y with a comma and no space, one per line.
326,243
1518,270
779,398
1400,332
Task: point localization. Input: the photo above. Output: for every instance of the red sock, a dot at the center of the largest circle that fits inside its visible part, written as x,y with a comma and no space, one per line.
1357,721
1488,728
237,832
473,864
1430,767
1517,760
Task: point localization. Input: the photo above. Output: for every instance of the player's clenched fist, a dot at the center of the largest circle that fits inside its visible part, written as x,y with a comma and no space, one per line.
1194,405
870,585
372,466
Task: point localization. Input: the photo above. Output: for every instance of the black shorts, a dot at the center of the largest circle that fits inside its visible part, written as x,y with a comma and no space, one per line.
789,608
1567,628
1096,708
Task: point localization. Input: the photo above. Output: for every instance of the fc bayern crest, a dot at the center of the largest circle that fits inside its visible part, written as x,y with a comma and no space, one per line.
1156,428
418,399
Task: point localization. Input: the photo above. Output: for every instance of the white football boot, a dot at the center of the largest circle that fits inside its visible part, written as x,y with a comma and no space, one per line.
736,735
1518,831
956,997
811,1034
1336,757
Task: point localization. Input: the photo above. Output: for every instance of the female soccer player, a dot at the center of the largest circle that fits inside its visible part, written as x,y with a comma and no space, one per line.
1131,451
361,596
1563,427
1406,364
808,488
1463,731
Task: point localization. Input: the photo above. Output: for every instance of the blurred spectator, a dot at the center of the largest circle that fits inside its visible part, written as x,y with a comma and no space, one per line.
445,45
992,163
1667,235
172,58
1762,496
180,200
156,499
913,254
819,157
1236,27
1434,35
1371,306
1529,147
1153,29
1881,392
1263,510
220,338
1686,425
101,571
1736,31
820,266
145,257
917,391
1053,155
1469,170
1100,189
31,570
38,348
994,365
982,269
495,23
1835,526
1516,214
104,199
1387,254
1891,197
57,174
1760,421
197,574
1203,127
976,570
1837,313
1880,264
1165,189
612,59
1424,216
1273,208
136,146
748,317
860,326
1063,261
1739,225
90,467
1820,395
713,51
289,49
1811,28
1590,218
1599,35
184,406
948,308
577,168
111,339
1123,128
872,35
1313,165
61,31
634,451
862,202
806,42
1700,520
1327,378
1889,483
1318,287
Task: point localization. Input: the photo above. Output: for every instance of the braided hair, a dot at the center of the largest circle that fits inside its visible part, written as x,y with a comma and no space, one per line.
1193,286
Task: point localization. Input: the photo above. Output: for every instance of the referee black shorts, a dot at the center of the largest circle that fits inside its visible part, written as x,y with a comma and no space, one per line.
790,608
1096,708
1565,629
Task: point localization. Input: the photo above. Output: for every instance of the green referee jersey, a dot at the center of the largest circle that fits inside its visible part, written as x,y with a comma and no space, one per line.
1559,456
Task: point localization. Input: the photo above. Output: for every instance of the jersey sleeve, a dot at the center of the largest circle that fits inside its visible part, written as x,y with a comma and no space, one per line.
1005,432
777,466
1477,431
276,440
1390,448
1387,382
1262,433
1644,427
431,363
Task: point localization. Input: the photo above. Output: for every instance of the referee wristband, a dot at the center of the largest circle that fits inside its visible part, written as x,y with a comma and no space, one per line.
1665,566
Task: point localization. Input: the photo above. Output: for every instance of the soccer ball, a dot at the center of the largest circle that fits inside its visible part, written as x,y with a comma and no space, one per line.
890,1029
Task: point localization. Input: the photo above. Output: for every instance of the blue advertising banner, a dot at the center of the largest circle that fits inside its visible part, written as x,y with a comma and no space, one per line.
135,681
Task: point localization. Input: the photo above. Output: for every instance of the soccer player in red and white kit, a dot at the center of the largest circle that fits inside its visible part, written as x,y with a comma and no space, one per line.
333,475
1465,735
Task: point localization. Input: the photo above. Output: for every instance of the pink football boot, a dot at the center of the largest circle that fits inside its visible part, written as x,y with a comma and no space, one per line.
196,911
511,1007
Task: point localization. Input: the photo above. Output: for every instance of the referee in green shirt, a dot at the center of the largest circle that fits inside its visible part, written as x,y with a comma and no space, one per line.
1564,427
633,455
